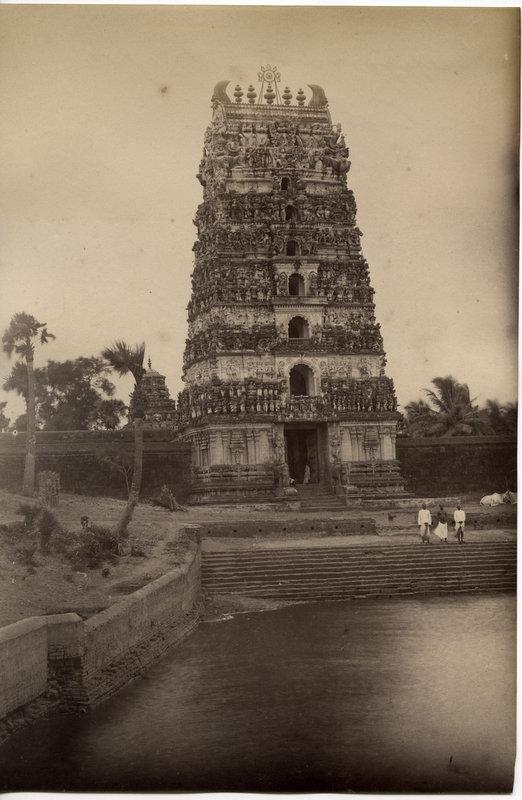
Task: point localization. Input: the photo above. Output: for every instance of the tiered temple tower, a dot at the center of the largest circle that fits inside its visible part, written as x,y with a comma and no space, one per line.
284,363
159,408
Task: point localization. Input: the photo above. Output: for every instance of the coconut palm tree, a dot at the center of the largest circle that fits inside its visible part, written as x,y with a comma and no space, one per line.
20,337
451,413
419,417
502,419
127,359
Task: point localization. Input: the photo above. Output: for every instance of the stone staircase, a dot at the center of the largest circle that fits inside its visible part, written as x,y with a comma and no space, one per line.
339,572
316,497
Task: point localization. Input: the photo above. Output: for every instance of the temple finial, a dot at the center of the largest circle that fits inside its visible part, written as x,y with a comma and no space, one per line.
271,76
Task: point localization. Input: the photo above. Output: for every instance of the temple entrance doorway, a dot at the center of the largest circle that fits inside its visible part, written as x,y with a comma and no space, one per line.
302,450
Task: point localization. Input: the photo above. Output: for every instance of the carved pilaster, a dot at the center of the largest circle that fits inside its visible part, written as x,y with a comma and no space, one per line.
215,448
346,444
251,447
393,441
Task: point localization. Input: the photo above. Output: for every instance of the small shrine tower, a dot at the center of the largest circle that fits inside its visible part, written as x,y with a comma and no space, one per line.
159,407
284,366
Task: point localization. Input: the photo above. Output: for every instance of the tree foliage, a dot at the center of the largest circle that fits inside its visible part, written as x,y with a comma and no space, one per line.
4,421
450,411
126,359
70,395
501,419
21,336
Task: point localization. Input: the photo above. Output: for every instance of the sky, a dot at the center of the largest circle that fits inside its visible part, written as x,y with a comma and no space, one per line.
102,115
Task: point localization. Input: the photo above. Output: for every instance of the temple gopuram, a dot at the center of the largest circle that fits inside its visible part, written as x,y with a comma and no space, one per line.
284,367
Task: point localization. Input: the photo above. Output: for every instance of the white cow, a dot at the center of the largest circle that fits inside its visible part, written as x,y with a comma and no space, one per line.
492,500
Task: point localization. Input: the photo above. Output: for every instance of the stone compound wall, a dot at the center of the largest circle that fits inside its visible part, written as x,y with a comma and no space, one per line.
440,467
429,466
78,457
90,660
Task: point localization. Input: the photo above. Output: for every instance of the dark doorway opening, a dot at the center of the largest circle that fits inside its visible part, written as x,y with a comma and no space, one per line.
302,451
296,285
298,328
301,381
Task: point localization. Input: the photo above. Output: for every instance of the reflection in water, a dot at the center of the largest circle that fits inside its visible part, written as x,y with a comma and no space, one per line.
364,695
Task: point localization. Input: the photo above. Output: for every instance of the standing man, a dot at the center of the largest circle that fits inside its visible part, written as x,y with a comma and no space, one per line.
460,519
424,522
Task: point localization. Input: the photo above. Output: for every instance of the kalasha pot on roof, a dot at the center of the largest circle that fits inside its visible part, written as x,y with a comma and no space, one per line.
284,366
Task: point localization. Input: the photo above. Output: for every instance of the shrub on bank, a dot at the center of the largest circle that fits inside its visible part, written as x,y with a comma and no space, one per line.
93,546
41,530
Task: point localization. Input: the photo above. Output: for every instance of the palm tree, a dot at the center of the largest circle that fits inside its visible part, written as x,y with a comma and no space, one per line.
501,419
419,417
20,337
125,359
452,412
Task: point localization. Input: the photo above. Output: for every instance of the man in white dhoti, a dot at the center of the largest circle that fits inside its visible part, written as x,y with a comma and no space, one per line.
442,525
459,518
306,477
424,522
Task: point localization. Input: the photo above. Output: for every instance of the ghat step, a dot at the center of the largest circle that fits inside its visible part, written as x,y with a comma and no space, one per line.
352,571
315,497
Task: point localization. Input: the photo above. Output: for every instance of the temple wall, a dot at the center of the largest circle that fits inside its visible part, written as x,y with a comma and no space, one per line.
234,444
430,465
80,458
436,466
353,441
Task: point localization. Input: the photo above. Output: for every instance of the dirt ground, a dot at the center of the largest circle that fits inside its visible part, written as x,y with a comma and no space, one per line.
54,586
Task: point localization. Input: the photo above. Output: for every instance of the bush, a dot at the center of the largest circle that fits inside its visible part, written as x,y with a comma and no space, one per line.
26,555
38,520
29,511
95,545
13,531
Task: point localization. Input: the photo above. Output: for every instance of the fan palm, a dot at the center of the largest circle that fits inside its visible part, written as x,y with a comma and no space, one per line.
127,359
20,337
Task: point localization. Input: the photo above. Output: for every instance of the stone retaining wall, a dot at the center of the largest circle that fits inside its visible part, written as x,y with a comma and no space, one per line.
288,529
120,642
88,660
23,663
